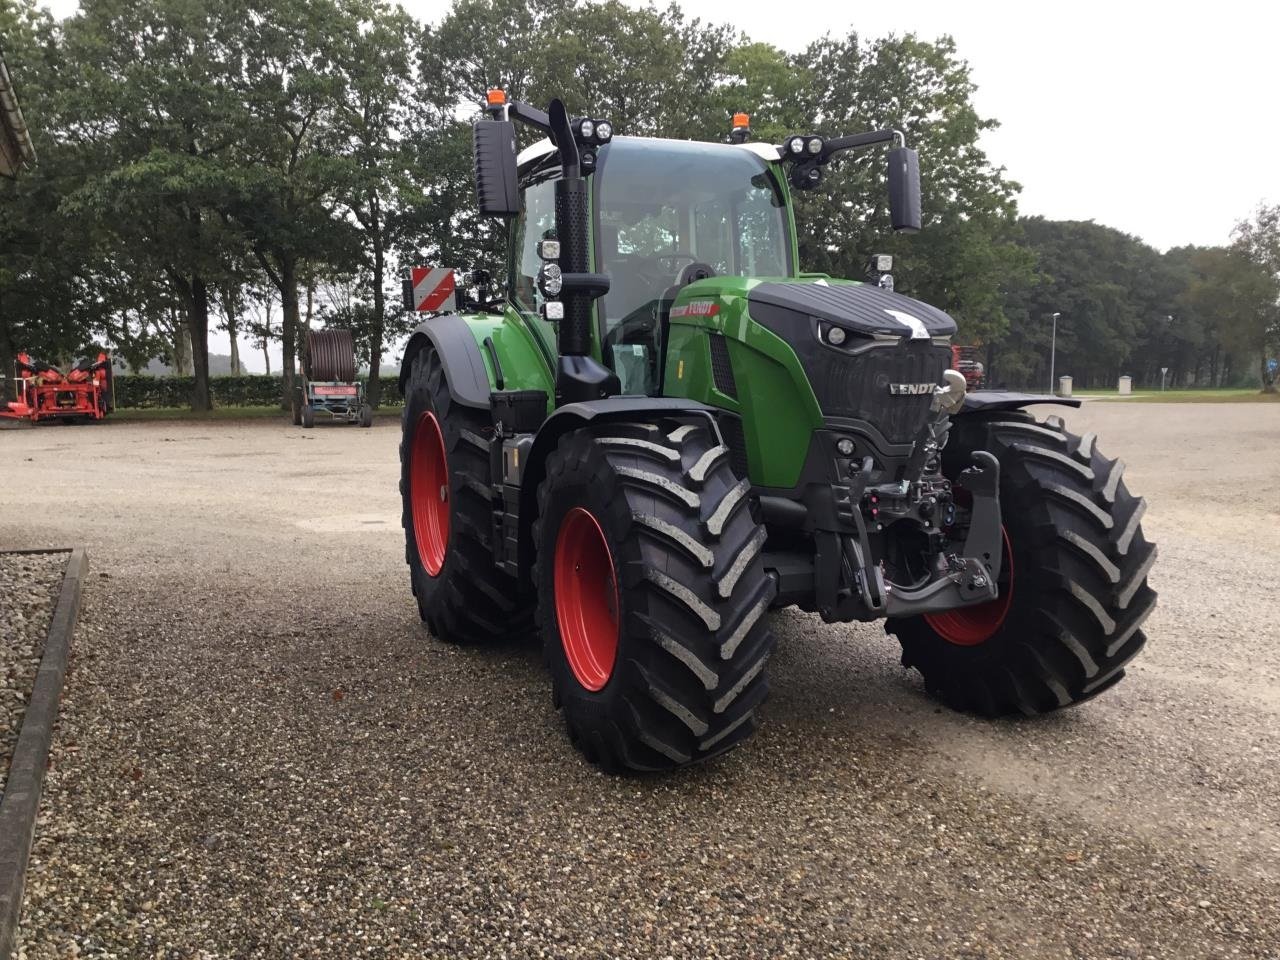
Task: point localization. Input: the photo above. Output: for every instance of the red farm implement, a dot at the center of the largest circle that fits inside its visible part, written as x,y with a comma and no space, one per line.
45,392
965,359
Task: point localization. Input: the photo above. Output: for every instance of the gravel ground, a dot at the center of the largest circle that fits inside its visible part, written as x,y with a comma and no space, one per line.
28,591
263,755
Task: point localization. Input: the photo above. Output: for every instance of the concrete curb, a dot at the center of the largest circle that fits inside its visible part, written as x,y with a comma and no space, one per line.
21,801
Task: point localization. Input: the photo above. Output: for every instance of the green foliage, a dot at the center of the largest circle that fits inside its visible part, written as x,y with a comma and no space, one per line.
1254,320
966,252
227,155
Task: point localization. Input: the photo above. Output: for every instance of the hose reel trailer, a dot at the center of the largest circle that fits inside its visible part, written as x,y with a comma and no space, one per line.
329,384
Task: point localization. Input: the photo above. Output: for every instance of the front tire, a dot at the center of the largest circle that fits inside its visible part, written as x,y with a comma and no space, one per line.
308,416
447,515
653,594
1074,584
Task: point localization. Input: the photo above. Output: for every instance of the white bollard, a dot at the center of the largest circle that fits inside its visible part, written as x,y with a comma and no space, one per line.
1126,386
1064,386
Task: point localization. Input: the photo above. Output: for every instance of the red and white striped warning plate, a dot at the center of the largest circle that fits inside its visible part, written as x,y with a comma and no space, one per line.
433,288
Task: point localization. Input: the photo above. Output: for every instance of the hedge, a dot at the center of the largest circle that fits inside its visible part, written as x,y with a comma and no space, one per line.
252,390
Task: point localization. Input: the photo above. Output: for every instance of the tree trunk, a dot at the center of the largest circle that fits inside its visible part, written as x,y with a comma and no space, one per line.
289,324
266,356
304,328
374,391
181,337
233,332
198,325
8,356
1268,383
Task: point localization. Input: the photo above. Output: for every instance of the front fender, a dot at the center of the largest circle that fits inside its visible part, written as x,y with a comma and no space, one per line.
571,417
993,401
464,368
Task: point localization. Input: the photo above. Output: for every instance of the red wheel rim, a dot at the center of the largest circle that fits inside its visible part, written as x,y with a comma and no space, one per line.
586,599
429,493
970,626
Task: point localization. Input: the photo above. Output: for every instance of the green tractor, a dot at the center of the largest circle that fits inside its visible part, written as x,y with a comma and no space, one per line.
666,429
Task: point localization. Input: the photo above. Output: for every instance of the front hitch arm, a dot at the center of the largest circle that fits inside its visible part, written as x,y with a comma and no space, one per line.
971,577
986,536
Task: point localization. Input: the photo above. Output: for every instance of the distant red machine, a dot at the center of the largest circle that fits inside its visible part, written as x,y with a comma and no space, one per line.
45,392
965,359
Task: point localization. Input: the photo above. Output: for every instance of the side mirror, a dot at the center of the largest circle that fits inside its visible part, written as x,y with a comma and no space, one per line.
497,190
904,189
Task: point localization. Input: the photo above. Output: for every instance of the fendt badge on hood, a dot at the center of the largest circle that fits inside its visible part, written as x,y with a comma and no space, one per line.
910,389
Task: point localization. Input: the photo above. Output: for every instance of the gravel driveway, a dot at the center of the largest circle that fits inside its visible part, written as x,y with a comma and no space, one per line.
28,591
263,754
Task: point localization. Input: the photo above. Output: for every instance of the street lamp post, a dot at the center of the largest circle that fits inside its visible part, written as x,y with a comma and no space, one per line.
1053,351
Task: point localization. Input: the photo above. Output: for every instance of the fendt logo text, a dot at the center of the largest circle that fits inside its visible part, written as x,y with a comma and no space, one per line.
910,389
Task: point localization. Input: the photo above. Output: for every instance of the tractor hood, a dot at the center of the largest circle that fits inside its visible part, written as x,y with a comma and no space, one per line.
860,307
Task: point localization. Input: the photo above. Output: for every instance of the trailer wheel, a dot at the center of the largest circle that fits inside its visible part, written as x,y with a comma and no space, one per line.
308,416
366,415
448,514
1074,587
652,594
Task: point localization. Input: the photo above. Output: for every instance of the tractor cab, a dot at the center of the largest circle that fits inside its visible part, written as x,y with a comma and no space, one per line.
665,214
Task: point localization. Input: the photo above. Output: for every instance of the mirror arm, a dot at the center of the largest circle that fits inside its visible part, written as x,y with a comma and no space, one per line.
518,110
856,141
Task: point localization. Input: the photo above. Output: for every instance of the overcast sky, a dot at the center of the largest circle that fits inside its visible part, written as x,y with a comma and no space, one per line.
1156,118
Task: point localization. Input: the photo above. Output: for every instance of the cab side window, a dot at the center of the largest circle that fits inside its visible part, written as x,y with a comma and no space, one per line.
537,221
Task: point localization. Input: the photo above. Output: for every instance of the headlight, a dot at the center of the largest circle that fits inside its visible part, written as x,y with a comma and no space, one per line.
550,280
814,146
587,129
604,131
796,145
835,336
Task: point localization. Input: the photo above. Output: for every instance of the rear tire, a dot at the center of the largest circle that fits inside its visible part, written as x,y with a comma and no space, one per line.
366,415
1079,578
676,667
462,597
308,416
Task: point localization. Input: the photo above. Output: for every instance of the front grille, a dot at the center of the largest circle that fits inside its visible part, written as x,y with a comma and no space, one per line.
721,367
857,386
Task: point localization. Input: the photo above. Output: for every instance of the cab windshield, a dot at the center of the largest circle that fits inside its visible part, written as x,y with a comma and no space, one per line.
667,210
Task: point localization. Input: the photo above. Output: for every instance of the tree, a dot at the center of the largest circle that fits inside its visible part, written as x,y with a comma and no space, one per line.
1113,292
967,251
372,58
1257,320
151,97
49,266
283,205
